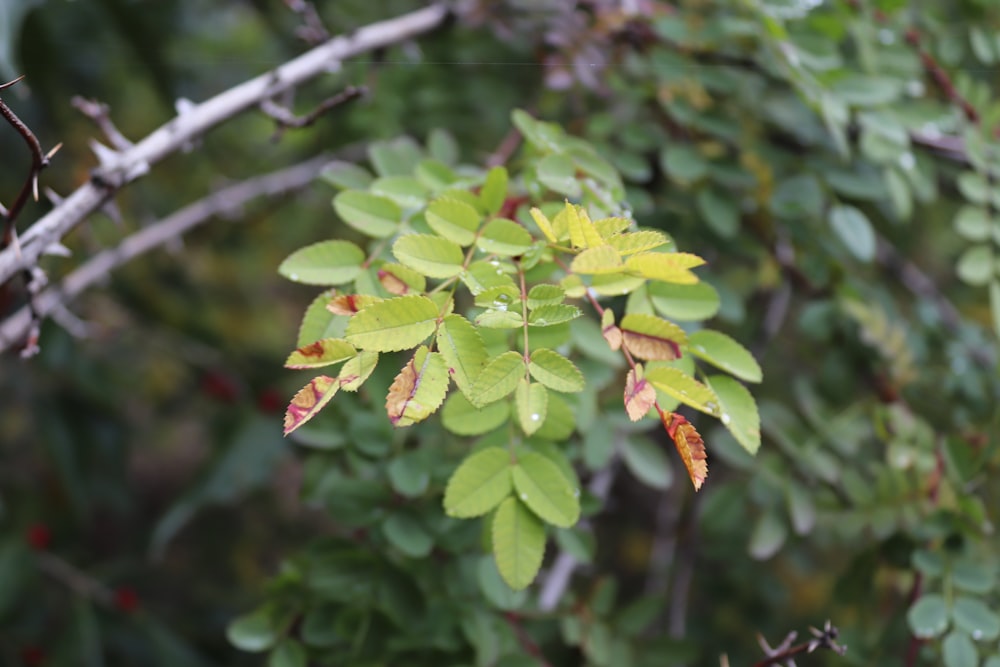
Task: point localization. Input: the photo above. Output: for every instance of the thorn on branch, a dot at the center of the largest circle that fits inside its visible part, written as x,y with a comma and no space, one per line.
286,119
312,31
98,112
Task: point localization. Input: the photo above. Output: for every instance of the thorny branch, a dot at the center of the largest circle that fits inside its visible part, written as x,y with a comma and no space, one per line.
286,119
14,329
123,167
312,31
785,652
98,112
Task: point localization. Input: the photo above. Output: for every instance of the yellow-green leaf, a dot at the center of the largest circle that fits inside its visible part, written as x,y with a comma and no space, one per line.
324,263
610,227
499,319
722,351
463,349
518,543
505,238
309,400
544,225
582,232
738,411
541,486
669,267
354,373
555,371
681,386
320,353
431,255
494,190
454,220
498,378
479,484
547,316
394,324
484,275
532,402
419,388
597,260
368,213
545,295
463,418
651,337
629,244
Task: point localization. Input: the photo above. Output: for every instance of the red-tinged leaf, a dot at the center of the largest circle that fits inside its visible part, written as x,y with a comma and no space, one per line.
400,280
392,284
652,338
309,401
418,390
348,304
689,445
639,395
321,353
611,333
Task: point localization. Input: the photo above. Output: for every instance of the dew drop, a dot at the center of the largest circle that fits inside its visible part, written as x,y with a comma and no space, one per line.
724,418
535,417
576,493
293,276
499,272
684,392
906,161
541,321
524,496
886,36
977,634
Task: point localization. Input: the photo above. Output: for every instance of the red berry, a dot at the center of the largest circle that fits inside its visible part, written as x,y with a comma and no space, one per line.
270,401
126,599
32,656
38,536
220,386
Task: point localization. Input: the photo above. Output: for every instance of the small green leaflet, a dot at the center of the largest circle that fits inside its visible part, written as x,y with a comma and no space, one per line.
462,348
545,295
320,353
455,220
545,490
479,484
497,379
368,213
324,263
394,324
738,411
555,371
546,316
532,402
463,418
505,238
494,190
597,260
722,351
354,373
518,543
677,384
433,256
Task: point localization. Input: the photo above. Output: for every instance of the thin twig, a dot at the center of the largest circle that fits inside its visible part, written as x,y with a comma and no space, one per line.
312,31
77,581
524,639
199,118
98,112
785,651
14,329
286,119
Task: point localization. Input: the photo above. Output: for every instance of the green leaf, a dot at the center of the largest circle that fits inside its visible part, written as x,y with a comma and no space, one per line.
928,618
399,323
855,230
545,295
399,280
518,543
396,157
406,534
555,371
479,484
973,223
408,474
677,384
647,461
324,263
720,211
463,418
494,190
435,175
532,401
685,303
959,651
497,379
668,267
973,616
418,390
738,411
641,241
559,420
547,316
975,266
973,577
545,490
454,220
368,213
597,260
504,237
289,653
254,632
406,191
346,175
801,509
484,275
318,322
768,536
442,146
354,373
499,319
463,350
722,351
321,353
558,173
683,163
995,305
432,256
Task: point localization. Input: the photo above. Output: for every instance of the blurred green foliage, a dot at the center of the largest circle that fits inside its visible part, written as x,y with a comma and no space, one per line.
821,155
